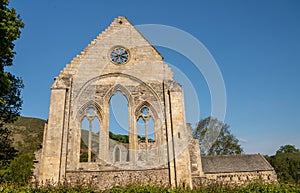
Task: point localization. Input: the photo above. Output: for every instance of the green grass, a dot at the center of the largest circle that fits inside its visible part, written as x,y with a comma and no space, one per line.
65,188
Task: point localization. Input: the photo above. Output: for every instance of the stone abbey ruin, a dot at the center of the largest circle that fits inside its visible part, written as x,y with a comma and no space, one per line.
78,143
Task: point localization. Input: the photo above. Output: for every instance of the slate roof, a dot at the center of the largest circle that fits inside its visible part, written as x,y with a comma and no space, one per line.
235,163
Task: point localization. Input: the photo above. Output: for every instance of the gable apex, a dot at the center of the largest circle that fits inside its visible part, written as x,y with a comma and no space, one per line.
119,33
123,18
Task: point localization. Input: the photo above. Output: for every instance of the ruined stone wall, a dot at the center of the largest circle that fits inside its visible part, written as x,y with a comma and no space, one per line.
179,135
36,165
139,95
195,158
89,81
107,179
147,152
236,178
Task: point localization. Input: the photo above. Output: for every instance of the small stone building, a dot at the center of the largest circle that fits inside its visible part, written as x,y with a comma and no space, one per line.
237,168
80,144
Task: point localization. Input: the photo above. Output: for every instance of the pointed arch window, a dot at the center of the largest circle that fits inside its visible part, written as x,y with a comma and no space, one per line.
118,114
90,131
151,131
145,125
118,127
117,154
141,129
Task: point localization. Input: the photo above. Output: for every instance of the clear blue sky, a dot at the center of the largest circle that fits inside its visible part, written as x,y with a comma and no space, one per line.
255,43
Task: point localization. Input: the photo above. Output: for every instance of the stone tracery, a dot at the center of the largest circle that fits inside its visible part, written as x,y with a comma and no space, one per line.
146,81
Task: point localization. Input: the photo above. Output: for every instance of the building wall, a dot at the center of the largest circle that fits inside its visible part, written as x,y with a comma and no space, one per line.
107,179
89,82
195,159
236,178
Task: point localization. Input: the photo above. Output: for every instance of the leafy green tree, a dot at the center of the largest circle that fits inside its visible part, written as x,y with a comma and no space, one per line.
215,138
20,169
118,137
10,86
286,163
10,24
7,151
10,97
287,149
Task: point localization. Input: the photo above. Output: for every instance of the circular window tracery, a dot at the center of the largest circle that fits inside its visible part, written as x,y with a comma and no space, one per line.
119,55
145,111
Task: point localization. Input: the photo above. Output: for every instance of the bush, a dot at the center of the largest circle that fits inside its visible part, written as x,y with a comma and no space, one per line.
67,188
287,166
20,169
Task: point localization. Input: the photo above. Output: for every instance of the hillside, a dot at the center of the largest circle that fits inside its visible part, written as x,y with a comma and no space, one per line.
27,134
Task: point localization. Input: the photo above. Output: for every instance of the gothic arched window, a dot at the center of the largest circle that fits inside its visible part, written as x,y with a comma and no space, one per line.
90,131
117,154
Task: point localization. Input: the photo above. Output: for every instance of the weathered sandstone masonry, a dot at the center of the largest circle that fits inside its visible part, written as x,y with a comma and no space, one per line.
79,141
119,60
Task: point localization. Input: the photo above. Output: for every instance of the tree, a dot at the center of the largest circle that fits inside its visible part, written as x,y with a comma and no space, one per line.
10,24
20,169
286,163
10,86
10,97
7,151
287,149
215,138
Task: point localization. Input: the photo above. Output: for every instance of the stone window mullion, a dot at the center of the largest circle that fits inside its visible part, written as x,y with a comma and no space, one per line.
90,140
